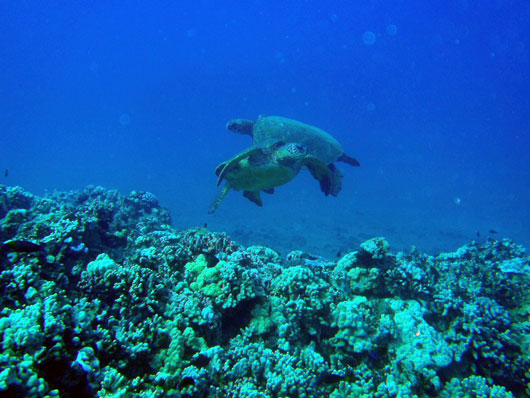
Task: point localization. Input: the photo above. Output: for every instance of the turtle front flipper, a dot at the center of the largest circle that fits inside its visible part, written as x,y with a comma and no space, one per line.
220,168
254,197
219,198
241,126
225,167
336,179
320,171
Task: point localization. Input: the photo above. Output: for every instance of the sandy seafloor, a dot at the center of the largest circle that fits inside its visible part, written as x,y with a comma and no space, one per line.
298,217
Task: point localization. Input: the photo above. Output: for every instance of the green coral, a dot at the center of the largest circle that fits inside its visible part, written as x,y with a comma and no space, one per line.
125,305
101,264
377,248
354,277
356,321
473,387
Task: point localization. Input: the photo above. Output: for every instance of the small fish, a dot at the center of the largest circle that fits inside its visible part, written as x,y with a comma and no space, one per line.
205,225
6,173
339,253
492,231
20,246
478,234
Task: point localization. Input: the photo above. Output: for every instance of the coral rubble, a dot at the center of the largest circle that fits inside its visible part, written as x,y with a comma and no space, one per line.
120,304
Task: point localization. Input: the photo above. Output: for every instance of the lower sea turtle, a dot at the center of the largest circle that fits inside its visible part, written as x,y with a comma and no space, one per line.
319,143
263,167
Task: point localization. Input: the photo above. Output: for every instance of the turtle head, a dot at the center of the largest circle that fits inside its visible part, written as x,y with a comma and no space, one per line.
241,126
291,151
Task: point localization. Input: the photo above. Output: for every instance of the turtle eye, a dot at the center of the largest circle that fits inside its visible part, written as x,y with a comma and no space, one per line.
298,148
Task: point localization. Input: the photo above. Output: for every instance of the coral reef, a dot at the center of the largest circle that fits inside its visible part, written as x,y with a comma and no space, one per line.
120,304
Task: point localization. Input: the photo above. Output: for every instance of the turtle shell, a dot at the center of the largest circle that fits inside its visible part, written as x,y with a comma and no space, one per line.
255,170
319,143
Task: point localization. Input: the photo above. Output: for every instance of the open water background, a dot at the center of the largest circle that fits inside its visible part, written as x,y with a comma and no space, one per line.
431,97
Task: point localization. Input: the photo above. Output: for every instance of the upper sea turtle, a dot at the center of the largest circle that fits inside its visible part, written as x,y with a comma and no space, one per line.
263,167
319,143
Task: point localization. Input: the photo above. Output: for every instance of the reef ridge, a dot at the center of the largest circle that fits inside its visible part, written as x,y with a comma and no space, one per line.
121,304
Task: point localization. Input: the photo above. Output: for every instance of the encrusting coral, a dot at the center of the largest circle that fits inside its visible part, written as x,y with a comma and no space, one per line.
120,304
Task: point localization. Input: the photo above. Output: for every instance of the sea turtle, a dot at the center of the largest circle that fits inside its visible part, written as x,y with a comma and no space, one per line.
319,143
263,167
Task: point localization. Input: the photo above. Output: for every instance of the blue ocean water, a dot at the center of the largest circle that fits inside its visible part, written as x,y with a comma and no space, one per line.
431,97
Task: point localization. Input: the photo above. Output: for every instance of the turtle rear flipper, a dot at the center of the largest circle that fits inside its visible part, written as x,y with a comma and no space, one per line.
321,172
336,180
348,159
254,197
241,126
219,198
